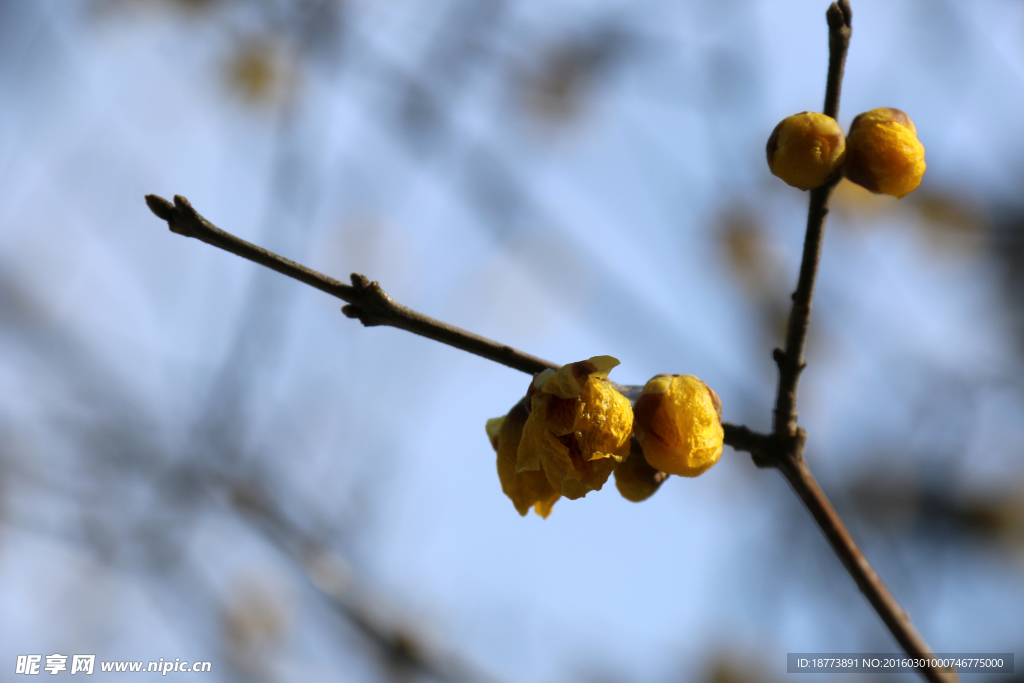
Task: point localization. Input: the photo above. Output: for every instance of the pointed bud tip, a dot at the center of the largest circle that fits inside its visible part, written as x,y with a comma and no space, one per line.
160,206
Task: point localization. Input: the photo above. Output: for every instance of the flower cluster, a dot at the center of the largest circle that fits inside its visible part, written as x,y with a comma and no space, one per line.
881,151
574,428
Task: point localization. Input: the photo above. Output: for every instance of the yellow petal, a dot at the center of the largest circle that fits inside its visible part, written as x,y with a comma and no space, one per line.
493,426
602,365
566,383
529,488
569,380
528,453
543,507
594,473
567,471
542,377
554,455
604,421
561,415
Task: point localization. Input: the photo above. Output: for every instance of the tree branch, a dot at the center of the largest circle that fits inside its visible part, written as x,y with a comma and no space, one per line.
367,302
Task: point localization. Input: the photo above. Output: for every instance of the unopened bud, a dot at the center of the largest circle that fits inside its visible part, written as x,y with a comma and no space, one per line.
883,152
677,420
805,149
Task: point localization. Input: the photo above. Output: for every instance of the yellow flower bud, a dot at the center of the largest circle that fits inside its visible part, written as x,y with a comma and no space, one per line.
883,152
525,489
635,479
578,428
805,149
678,421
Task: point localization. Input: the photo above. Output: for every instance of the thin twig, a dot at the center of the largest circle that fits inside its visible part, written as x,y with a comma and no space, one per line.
791,361
785,447
367,302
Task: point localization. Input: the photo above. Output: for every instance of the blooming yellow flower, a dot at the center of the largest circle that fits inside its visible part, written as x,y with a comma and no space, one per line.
679,425
883,152
805,149
578,428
